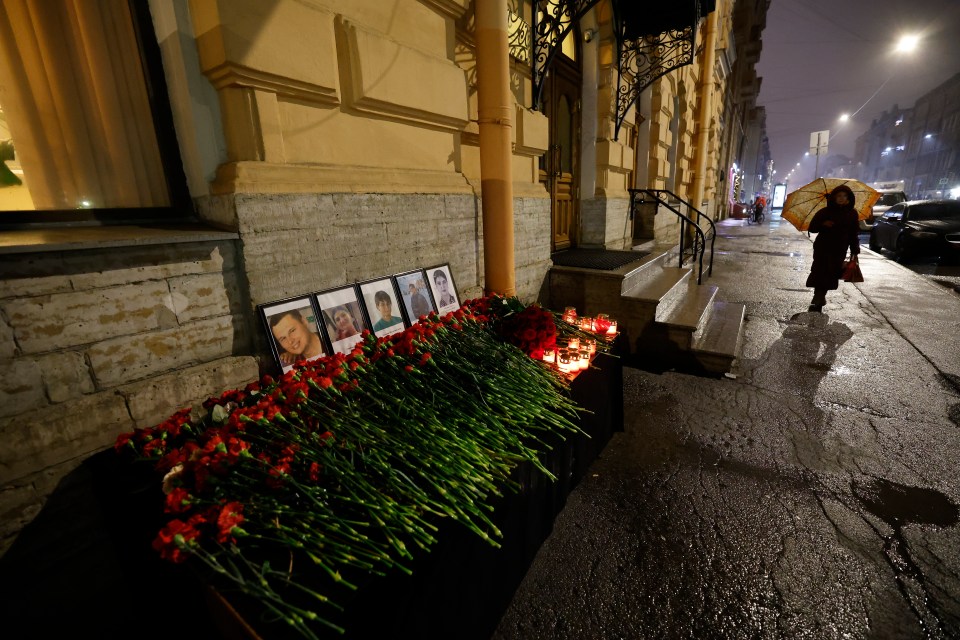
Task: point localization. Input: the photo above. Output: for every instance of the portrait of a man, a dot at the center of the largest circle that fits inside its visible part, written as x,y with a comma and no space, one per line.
416,297
295,332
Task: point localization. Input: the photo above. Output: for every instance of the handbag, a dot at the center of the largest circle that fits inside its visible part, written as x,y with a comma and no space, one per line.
851,271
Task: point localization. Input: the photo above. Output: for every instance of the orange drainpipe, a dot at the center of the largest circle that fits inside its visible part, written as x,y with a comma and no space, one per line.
495,115
706,109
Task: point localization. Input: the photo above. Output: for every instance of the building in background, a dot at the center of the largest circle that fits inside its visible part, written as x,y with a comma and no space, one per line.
919,145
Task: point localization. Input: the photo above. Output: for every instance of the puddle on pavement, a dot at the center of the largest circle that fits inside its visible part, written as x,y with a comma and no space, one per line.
785,254
898,504
840,371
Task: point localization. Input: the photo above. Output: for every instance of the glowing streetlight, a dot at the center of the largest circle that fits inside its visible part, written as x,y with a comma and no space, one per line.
907,43
844,117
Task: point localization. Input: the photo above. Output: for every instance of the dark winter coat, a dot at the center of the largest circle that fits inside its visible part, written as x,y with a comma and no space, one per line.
830,247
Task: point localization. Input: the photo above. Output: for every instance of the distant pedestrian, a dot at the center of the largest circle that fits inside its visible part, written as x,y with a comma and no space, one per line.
836,228
758,204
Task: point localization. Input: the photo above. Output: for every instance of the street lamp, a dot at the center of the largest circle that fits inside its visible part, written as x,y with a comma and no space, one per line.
907,43
916,163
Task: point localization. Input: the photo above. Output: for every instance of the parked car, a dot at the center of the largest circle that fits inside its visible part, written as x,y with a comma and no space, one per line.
919,227
888,198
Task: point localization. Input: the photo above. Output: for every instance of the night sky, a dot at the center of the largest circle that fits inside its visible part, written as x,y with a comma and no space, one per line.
823,58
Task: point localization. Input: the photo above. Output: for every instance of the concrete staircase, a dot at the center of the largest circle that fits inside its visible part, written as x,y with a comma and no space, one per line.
666,318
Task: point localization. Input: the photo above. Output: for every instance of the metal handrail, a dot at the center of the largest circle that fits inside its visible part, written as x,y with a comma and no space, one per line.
700,239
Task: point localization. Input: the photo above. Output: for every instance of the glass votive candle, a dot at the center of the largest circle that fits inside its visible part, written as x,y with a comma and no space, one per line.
574,360
584,360
612,329
570,314
563,360
602,323
586,324
573,343
589,345
550,355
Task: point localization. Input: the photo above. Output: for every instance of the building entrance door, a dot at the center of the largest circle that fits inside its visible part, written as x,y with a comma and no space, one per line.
559,167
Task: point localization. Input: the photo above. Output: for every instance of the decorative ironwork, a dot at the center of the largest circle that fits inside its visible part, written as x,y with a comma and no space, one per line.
552,22
644,60
518,34
688,225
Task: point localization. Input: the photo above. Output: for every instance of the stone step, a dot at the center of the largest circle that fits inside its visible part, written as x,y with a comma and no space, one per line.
643,271
716,343
688,313
661,309
594,291
661,285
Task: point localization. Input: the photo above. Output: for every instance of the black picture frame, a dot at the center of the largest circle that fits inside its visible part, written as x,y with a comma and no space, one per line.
330,302
412,306
281,318
375,291
452,301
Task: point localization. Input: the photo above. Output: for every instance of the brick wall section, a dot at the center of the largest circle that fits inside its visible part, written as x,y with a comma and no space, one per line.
97,342
294,244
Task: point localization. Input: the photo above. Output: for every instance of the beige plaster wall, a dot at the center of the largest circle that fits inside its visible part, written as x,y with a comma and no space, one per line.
326,85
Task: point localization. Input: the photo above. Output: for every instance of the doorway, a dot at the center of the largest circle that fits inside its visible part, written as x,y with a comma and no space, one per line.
559,167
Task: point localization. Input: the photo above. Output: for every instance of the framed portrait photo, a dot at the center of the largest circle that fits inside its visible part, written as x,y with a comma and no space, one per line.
293,329
443,288
342,317
416,295
383,306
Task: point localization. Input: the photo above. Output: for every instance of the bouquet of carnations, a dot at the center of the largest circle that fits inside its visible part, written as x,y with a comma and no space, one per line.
348,463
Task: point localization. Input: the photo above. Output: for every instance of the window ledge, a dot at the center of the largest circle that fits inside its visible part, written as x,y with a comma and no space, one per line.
43,239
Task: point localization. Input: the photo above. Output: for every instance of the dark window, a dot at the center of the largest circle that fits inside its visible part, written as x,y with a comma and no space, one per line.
890,199
940,211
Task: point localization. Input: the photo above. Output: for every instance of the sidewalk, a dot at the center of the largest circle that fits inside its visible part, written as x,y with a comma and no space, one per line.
814,494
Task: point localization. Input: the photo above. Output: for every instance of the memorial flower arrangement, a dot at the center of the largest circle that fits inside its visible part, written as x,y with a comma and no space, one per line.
349,463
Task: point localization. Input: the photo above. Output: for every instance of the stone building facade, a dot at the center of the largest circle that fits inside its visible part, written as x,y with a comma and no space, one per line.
322,143
918,145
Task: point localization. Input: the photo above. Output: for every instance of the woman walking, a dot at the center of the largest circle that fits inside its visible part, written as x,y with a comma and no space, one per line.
836,228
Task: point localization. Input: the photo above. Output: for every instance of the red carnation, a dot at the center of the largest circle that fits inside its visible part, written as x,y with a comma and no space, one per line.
228,522
178,501
174,539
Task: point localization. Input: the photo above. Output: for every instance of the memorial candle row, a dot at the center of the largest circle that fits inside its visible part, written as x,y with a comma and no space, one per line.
574,355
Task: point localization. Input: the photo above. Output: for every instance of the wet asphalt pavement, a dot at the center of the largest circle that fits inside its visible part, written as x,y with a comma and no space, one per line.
813,495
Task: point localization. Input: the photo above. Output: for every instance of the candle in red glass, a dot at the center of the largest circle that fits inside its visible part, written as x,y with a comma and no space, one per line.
570,314
602,323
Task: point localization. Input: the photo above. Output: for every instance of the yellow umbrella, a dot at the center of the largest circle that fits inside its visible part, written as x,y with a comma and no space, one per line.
803,204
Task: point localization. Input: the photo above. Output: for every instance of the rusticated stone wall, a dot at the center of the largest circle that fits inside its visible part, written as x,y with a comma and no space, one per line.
294,244
97,342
